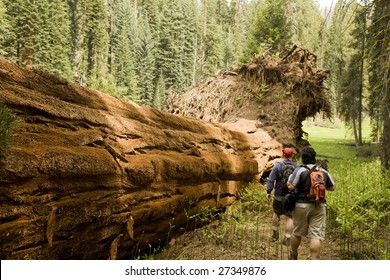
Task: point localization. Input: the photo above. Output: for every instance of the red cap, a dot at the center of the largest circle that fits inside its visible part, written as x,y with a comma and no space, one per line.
288,152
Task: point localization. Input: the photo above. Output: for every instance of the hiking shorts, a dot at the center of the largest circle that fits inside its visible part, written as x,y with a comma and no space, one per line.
310,220
278,207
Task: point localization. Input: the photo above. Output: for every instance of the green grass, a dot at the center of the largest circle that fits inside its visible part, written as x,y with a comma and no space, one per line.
335,141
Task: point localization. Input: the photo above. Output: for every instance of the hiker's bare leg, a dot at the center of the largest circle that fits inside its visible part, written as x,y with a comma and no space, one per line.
315,248
275,221
295,241
289,226
275,226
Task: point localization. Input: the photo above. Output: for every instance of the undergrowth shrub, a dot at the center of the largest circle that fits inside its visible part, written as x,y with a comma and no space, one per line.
360,208
252,198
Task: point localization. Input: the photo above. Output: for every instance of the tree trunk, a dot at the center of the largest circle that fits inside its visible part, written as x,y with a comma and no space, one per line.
28,50
355,133
203,42
386,118
93,177
386,133
110,57
360,105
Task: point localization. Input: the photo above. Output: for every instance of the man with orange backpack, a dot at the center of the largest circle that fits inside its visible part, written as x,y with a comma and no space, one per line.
277,181
310,183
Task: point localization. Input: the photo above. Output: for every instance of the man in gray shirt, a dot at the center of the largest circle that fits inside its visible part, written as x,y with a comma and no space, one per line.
309,217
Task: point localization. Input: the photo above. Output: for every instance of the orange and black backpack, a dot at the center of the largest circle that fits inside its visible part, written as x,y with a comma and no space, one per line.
317,184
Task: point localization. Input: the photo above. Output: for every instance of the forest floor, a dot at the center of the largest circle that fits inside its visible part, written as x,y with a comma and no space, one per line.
226,240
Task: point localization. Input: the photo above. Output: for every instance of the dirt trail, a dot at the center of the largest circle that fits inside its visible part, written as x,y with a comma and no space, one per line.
221,242
329,250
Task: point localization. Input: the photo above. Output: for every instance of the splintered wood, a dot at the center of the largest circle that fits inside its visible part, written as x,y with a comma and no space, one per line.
130,227
51,223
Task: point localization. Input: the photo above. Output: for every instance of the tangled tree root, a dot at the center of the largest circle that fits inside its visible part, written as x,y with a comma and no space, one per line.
279,92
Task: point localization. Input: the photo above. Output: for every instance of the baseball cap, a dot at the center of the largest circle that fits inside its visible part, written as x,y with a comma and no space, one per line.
288,152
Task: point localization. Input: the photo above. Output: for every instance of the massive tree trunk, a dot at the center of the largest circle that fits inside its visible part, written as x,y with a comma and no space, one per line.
92,177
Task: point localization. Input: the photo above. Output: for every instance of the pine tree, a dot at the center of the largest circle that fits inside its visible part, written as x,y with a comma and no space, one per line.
357,69
352,92
38,35
236,33
271,30
146,71
338,51
380,75
4,29
151,10
53,45
123,55
89,22
96,39
187,48
305,21
160,93
249,13
77,26
210,40
167,44
350,103
23,17
176,45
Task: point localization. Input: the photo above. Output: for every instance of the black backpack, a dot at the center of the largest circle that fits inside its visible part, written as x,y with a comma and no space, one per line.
287,170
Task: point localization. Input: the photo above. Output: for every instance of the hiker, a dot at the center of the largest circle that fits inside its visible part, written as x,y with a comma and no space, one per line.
309,216
278,181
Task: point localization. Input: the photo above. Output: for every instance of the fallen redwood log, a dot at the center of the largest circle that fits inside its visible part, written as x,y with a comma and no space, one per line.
93,177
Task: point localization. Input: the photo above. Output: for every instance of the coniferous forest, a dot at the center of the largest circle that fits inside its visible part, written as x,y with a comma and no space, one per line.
141,50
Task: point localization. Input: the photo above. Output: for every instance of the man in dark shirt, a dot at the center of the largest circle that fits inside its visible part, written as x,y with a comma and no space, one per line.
309,217
275,182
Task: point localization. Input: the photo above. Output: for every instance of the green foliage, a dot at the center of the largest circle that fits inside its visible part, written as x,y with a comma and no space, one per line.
146,64
123,64
53,44
362,195
39,35
264,89
90,40
353,78
252,199
379,40
212,36
4,27
160,93
96,38
109,86
175,56
361,203
301,15
206,215
8,121
271,29
337,48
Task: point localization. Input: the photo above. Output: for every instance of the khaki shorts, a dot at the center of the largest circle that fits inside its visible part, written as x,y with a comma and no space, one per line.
310,220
